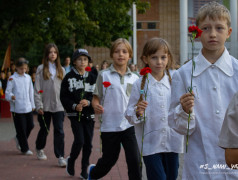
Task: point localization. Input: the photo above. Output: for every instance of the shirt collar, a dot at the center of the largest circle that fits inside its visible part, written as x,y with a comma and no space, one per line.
164,80
224,63
18,75
76,72
112,69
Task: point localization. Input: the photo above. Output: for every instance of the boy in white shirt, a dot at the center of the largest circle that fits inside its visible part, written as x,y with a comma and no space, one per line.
215,80
20,93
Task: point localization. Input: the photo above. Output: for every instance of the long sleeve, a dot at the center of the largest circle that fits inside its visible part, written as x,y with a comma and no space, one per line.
178,119
8,92
37,88
130,112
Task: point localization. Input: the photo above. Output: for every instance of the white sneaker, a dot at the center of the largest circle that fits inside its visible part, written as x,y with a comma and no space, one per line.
17,144
28,153
40,154
62,162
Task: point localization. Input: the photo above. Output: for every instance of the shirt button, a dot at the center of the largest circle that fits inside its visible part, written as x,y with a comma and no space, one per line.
163,118
212,66
164,131
160,94
163,144
217,111
162,106
215,88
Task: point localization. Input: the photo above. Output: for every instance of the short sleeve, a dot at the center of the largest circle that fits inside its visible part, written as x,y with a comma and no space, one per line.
98,91
229,131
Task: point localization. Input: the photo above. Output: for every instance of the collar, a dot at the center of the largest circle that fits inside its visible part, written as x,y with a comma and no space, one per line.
52,64
113,70
224,63
76,72
164,80
18,75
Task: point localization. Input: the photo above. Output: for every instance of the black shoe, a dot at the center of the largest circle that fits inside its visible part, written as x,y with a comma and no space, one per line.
70,166
84,174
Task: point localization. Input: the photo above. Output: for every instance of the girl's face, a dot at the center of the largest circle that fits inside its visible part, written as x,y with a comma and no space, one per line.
121,55
22,69
52,55
158,61
81,63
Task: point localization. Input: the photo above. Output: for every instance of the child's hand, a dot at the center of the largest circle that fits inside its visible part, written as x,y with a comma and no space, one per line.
40,111
84,102
98,109
187,102
141,106
13,98
79,107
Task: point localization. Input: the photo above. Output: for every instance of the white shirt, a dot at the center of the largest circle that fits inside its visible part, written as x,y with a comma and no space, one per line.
21,87
115,99
52,69
158,136
214,85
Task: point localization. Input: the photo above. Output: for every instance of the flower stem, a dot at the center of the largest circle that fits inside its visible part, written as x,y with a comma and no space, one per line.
45,124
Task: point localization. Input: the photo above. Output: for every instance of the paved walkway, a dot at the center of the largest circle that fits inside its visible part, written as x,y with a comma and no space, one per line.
15,166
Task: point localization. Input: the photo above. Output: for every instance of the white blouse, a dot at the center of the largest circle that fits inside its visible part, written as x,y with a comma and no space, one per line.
158,136
21,87
214,85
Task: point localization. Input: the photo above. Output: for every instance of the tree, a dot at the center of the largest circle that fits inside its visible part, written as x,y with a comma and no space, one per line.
29,25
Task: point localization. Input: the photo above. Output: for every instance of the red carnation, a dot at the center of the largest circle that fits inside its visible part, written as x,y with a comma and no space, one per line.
195,30
40,91
145,71
10,79
106,84
88,69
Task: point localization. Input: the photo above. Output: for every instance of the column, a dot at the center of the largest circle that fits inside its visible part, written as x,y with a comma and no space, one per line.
183,31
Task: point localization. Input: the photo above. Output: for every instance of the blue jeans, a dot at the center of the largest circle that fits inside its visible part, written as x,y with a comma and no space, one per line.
162,166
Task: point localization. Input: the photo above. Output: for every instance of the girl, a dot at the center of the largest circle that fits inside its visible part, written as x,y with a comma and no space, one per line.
48,80
76,82
115,129
20,93
160,143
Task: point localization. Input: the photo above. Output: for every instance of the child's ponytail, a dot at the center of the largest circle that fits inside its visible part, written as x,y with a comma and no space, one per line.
168,73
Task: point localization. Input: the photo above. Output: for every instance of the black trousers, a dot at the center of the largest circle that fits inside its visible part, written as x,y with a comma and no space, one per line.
23,124
111,146
83,136
58,120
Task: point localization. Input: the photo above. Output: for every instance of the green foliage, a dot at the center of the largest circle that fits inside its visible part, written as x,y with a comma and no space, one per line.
30,24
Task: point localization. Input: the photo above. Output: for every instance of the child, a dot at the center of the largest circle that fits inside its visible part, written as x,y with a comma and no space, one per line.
214,83
115,129
48,79
160,153
229,133
20,93
76,82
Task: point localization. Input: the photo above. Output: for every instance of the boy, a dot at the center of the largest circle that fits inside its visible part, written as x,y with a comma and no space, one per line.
215,81
115,129
76,95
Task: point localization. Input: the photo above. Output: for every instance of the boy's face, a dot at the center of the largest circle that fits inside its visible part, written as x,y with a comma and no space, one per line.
22,69
121,55
215,32
81,62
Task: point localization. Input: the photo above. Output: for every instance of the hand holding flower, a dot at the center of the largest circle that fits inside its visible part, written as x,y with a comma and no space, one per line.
13,98
40,111
79,107
187,102
98,109
84,102
141,106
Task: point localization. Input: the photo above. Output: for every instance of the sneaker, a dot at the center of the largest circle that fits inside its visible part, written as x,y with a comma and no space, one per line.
17,144
90,167
40,154
28,153
84,175
62,162
70,166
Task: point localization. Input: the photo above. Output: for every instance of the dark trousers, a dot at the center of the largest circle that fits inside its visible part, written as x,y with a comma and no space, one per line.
162,166
111,146
23,124
83,136
58,120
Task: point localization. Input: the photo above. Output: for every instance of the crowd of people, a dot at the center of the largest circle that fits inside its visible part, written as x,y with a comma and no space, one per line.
147,114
